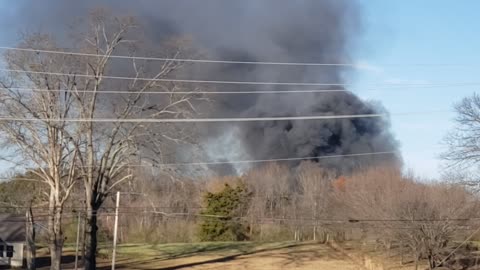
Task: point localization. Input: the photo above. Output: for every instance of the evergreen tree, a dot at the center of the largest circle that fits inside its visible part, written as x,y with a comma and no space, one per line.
221,220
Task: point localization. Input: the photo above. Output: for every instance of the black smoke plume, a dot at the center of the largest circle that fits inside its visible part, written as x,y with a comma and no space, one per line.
322,31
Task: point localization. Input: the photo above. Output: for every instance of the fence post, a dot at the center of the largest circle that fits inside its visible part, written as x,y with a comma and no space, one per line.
115,231
78,241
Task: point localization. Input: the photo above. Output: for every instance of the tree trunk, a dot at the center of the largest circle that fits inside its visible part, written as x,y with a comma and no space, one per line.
30,235
83,235
56,241
416,259
56,257
402,254
82,241
91,239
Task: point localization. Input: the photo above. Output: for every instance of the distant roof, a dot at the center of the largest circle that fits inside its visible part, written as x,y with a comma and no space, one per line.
12,228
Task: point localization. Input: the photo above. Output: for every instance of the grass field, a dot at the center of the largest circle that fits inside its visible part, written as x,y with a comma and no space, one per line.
225,256
232,256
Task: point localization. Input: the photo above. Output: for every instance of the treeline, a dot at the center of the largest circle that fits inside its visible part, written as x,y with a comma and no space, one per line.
379,205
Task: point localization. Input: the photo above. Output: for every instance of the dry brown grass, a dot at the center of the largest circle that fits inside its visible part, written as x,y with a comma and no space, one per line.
245,255
307,256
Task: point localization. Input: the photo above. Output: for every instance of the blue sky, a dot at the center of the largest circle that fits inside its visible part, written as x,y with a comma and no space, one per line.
400,34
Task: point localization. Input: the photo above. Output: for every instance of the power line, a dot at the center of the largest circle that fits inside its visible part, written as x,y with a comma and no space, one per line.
194,214
215,120
229,82
213,61
459,246
262,160
333,220
137,210
302,225
179,59
297,219
177,92
192,120
282,159
247,92
127,92
236,162
172,80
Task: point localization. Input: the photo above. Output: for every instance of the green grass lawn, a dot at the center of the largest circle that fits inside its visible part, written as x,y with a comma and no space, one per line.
180,250
176,249
160,256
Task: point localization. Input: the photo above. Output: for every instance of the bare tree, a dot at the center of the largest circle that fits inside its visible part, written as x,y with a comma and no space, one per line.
35,136
463,154
110,149
98,154
316,188
420,216
272,188
174,202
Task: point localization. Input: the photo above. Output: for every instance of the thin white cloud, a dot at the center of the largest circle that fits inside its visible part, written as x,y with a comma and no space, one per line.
366,66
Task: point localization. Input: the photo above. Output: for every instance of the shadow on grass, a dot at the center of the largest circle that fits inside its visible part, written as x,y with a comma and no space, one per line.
44,262
241,248
196,249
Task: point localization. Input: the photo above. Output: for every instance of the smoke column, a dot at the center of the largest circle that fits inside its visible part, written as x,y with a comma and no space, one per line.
257,30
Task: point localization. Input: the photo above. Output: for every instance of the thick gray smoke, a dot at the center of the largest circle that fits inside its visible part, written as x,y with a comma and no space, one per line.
322,31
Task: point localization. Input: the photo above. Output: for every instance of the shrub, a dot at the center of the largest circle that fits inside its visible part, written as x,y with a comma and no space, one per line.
221,220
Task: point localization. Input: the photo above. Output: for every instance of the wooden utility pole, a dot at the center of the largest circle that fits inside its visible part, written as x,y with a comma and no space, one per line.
30,235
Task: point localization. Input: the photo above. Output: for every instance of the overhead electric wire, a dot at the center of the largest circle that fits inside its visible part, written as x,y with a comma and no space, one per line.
235,162
216,92
171,80
214,120
227,82
281,159
459,246
126,92
191,120
193,214
166,59
73,219
203,92
219,61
